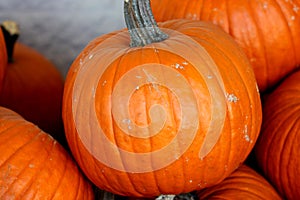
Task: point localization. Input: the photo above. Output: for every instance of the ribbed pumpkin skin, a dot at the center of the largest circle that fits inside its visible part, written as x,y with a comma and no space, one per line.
278,147
34,166
187,172
243,183
33,87
3,59
268,31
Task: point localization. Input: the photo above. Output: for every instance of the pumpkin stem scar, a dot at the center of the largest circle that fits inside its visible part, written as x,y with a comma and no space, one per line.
141,24
11,33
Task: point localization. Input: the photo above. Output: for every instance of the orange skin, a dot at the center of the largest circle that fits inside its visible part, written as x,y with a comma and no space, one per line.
243,183
268,31
278,147
35,166
188,173
33,87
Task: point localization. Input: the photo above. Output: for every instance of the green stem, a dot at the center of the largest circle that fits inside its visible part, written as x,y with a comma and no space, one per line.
10,32
141,24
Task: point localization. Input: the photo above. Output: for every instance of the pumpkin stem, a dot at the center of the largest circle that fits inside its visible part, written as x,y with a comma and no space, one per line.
11,32
141,24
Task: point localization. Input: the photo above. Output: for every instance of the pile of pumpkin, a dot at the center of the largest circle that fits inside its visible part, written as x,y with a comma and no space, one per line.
203,104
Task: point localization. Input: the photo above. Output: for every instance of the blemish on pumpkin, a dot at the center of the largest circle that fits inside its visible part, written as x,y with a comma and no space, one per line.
31,166
295,9
104,83
80,61
138,77
91,56
191,181
265,5
185,63
209,76
247,138
293,18
226,168
232,98
178,66
137,88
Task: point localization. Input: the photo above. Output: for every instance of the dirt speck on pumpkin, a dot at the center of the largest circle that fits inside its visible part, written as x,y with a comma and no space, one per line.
232,98
31,166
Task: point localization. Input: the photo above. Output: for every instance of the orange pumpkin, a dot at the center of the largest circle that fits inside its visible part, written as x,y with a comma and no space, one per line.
33,87
278,147
34,166
163,110
243,183
3,58
267,30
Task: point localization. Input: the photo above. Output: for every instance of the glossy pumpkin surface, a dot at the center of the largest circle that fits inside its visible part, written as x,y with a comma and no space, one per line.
34,166
267,30
165,118
278,147
243,183
33,87
240,115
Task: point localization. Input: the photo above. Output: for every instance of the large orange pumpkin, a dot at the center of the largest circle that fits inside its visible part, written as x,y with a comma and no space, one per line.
33,87
244,183
278,148
3,58
176,111
35,166
267,30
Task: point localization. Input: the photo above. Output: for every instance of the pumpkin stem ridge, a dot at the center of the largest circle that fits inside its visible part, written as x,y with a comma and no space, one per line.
11,34
141,24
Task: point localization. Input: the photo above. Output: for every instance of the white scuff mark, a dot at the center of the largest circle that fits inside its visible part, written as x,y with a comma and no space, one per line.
31,166
232,98
185,63
138,77
91,56
209,76
178,66
295,9
265,5
104,83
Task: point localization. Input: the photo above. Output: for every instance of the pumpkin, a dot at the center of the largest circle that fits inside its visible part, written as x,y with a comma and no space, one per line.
267,30
35,166
278,147
154,110
3,58
32,86
243,183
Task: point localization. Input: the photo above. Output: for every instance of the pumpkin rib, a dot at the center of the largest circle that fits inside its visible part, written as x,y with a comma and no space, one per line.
288,28
63,174
289,178
18,150
115,126
28,186
282,169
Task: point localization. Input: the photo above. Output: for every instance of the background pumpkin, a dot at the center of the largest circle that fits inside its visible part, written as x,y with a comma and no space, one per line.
267,30
91,101
3,58
278,147
34,166
33,87
243,183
